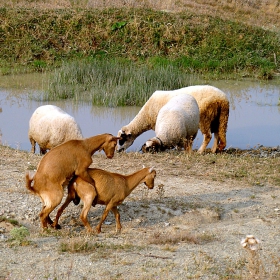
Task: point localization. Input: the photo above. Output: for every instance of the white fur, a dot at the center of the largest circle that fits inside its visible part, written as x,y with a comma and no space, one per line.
214,111
177,123
50,126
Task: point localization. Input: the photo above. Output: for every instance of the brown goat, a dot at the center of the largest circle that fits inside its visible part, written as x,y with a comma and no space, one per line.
60,164
110,189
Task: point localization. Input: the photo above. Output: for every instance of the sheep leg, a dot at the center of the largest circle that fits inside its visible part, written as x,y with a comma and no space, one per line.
222,140
188,145
43,151
206,139
104,216
33,144
117,217
215,144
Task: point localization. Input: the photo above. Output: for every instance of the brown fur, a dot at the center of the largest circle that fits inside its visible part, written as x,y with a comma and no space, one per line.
60,164
214,112
110,189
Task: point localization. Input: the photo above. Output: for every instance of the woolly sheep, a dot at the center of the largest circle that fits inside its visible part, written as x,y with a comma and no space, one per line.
176,126
214,111
50,126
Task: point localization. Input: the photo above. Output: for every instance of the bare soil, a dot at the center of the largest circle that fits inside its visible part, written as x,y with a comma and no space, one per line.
188,227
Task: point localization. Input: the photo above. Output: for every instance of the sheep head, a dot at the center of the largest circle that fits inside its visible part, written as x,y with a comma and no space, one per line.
126,139
153,145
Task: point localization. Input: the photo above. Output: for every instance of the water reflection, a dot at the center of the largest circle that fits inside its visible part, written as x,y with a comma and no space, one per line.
254,115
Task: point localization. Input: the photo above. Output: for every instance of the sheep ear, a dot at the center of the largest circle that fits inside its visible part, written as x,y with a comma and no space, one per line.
120,132
151,169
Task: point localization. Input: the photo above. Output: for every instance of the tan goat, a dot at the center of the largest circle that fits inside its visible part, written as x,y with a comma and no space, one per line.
60,164
110,189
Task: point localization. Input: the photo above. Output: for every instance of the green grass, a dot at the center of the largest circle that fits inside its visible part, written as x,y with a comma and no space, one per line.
85,245
19,236
40,39
11,221
115,82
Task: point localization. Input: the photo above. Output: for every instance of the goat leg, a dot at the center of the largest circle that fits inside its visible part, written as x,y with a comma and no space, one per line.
60,210
117,217
104,216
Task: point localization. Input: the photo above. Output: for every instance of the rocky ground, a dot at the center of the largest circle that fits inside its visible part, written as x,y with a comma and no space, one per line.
188,227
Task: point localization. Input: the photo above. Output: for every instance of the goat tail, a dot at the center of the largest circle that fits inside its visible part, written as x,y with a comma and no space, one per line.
29,177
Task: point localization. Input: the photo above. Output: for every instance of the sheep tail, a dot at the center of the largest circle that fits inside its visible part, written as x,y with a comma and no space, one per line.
29,177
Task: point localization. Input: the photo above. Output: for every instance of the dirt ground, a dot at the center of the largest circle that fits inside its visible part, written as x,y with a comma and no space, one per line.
188,227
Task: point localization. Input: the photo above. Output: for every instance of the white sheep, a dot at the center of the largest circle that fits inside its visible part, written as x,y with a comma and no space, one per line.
214,111
176,126
50,126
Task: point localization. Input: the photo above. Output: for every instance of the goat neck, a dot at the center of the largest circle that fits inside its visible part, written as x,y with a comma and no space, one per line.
95,143
134,179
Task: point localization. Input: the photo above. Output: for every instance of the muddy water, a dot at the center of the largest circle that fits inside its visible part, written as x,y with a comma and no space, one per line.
254,114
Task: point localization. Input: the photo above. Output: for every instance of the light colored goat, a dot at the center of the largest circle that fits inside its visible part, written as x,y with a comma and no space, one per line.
110,189
176,126
50,126
60,164
214,111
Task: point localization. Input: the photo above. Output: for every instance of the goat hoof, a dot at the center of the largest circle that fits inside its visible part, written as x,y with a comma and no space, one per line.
76,200
91,231
56,226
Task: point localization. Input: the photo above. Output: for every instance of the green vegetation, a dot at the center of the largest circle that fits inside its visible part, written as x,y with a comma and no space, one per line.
112,82
38,40
11,221
85,245
19,236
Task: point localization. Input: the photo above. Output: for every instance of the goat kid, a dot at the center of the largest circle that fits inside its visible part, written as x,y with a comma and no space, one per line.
60,164
110,189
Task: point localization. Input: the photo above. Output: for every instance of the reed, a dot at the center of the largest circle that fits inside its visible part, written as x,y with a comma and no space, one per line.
114,82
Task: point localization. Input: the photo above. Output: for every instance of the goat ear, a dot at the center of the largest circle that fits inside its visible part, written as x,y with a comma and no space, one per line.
31,174
151,169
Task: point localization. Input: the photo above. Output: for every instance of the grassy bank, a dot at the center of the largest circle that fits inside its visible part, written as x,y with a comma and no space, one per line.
39,39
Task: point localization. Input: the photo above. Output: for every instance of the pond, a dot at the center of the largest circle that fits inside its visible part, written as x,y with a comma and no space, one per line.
254,114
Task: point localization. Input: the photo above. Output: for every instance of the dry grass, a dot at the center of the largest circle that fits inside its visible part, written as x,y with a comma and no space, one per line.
233,165
264,13
174,229
175,238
